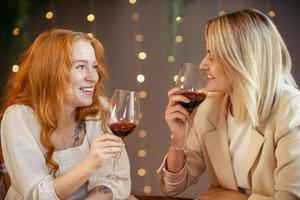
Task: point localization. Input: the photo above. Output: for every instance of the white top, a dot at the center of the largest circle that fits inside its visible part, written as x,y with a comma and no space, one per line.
239,139
24,159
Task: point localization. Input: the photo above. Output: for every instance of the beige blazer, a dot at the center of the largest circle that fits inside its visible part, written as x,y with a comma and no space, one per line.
273,158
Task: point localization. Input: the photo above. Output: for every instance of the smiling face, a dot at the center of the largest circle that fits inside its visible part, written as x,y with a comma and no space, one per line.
83,75
217,79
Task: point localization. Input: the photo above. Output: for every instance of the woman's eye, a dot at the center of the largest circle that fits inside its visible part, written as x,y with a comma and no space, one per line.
95,66
80,67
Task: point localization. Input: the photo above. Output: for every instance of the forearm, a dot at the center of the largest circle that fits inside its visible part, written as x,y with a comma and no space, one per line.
100,192
175,158
69,182
98,195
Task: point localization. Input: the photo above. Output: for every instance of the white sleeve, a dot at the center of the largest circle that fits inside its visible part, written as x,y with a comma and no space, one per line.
120,189
23,157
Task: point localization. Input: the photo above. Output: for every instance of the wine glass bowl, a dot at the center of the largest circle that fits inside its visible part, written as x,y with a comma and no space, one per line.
192,82
124,112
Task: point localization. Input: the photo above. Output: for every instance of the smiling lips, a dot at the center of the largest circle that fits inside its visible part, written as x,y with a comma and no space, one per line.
87,90
210,77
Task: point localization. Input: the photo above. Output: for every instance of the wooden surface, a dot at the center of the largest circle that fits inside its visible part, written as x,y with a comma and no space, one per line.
159,198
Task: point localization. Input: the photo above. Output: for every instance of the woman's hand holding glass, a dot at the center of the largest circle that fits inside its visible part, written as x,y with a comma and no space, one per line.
189,93
103,147
176,116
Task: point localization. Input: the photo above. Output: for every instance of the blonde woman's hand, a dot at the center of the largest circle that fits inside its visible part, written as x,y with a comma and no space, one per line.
175,115
102,147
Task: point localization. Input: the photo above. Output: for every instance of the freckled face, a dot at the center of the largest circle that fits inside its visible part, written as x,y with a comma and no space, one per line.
83,75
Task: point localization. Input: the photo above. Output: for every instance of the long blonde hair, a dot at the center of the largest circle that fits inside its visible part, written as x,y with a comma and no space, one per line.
255,59
43,80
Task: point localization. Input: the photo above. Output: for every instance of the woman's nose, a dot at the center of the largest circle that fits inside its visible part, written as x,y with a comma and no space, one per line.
203,64
92,75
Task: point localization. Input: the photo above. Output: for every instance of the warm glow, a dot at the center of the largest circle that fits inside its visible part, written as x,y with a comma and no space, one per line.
135,17
132,1
90,35
15,68
175,78
142,153
271,13
140,78
90,17
16,31
179,19
49,15
142,133
171,59
182,79
141,115
139,38
147,189
143,94
222,12
178,38
141,172
142,55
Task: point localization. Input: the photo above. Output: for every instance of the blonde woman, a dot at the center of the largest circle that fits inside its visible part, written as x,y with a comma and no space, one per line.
53,123
246,134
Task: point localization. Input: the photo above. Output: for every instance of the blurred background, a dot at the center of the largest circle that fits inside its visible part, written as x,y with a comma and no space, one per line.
145,42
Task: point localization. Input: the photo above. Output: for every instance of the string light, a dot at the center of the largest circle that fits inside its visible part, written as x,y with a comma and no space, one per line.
90,17
141,172
15,68
147,189
16,31
142,153
142,55
178,38
175,78
135,17
271,13
142,133
90,35
49,15
139,38
143,94
171,59
132,1
179,19
182,79
140,78
222,12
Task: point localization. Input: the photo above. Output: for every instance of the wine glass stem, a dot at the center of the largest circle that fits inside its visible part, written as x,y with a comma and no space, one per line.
186,134
116,159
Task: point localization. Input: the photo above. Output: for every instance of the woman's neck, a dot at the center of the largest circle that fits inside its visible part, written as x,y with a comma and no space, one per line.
66,119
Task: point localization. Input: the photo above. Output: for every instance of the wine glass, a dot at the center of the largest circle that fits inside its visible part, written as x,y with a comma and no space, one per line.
124,116
192,82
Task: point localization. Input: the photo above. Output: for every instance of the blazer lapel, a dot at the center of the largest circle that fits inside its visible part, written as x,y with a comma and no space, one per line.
217,145
256,142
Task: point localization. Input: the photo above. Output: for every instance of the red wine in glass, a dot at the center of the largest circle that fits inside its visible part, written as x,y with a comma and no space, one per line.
196,99
122,129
